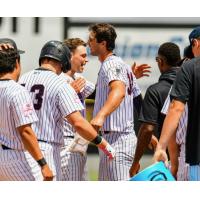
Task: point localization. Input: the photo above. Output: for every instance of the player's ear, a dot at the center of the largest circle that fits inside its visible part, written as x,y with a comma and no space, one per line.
17,64
103,43
161,61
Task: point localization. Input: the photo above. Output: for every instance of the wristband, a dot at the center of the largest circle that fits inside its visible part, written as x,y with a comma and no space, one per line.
97,140
42,162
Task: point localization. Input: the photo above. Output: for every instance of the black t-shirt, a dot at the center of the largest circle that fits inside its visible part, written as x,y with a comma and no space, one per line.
154,100
186,88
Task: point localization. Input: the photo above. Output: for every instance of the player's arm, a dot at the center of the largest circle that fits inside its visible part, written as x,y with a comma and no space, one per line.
115,97
31,144
174,150
169,128
84,128
144,137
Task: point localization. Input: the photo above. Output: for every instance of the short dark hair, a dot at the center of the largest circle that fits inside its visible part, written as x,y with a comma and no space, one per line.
104,32
73,43
170,52
187,53
8,59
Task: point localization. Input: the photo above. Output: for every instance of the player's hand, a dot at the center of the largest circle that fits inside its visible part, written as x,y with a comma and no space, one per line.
97,122
160,155
134,169
140,70
47,173
107,149
5,46
153,143
78,84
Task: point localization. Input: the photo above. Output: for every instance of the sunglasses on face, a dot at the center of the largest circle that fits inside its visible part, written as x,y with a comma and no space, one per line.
157,58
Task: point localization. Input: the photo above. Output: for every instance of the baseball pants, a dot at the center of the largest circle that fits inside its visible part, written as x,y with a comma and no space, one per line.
51,152
19,165
183,168
73,164
118,168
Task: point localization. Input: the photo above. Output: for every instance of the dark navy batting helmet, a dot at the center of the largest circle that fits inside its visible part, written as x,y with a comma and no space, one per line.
57,51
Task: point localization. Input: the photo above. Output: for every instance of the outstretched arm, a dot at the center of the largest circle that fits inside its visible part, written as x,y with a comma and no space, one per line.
84,128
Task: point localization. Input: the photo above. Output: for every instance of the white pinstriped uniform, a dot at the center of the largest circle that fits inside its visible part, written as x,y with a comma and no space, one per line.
53,99
16,109
73,164
120,123
183,168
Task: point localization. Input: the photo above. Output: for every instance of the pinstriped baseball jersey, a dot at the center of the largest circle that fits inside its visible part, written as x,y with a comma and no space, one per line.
113,68
73,164
182,174
53,99
16,109
86,91
182,127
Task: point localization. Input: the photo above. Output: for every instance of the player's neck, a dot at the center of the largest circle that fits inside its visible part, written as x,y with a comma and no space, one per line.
50,68
105,55
70,73
9,76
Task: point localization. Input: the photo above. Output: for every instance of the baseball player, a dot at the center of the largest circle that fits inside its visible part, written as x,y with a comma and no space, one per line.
73,161
113,109
53,100
20,156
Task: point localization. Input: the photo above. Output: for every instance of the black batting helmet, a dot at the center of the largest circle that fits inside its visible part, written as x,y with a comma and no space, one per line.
57,51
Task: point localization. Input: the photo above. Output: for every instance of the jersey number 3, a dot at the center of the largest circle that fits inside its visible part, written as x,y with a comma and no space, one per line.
38,95
38,89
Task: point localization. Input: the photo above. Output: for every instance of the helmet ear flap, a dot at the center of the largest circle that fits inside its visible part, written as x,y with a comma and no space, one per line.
68,64
66,67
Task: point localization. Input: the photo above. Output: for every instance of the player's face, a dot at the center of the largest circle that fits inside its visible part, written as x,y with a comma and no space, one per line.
159,61
79,59
93,44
